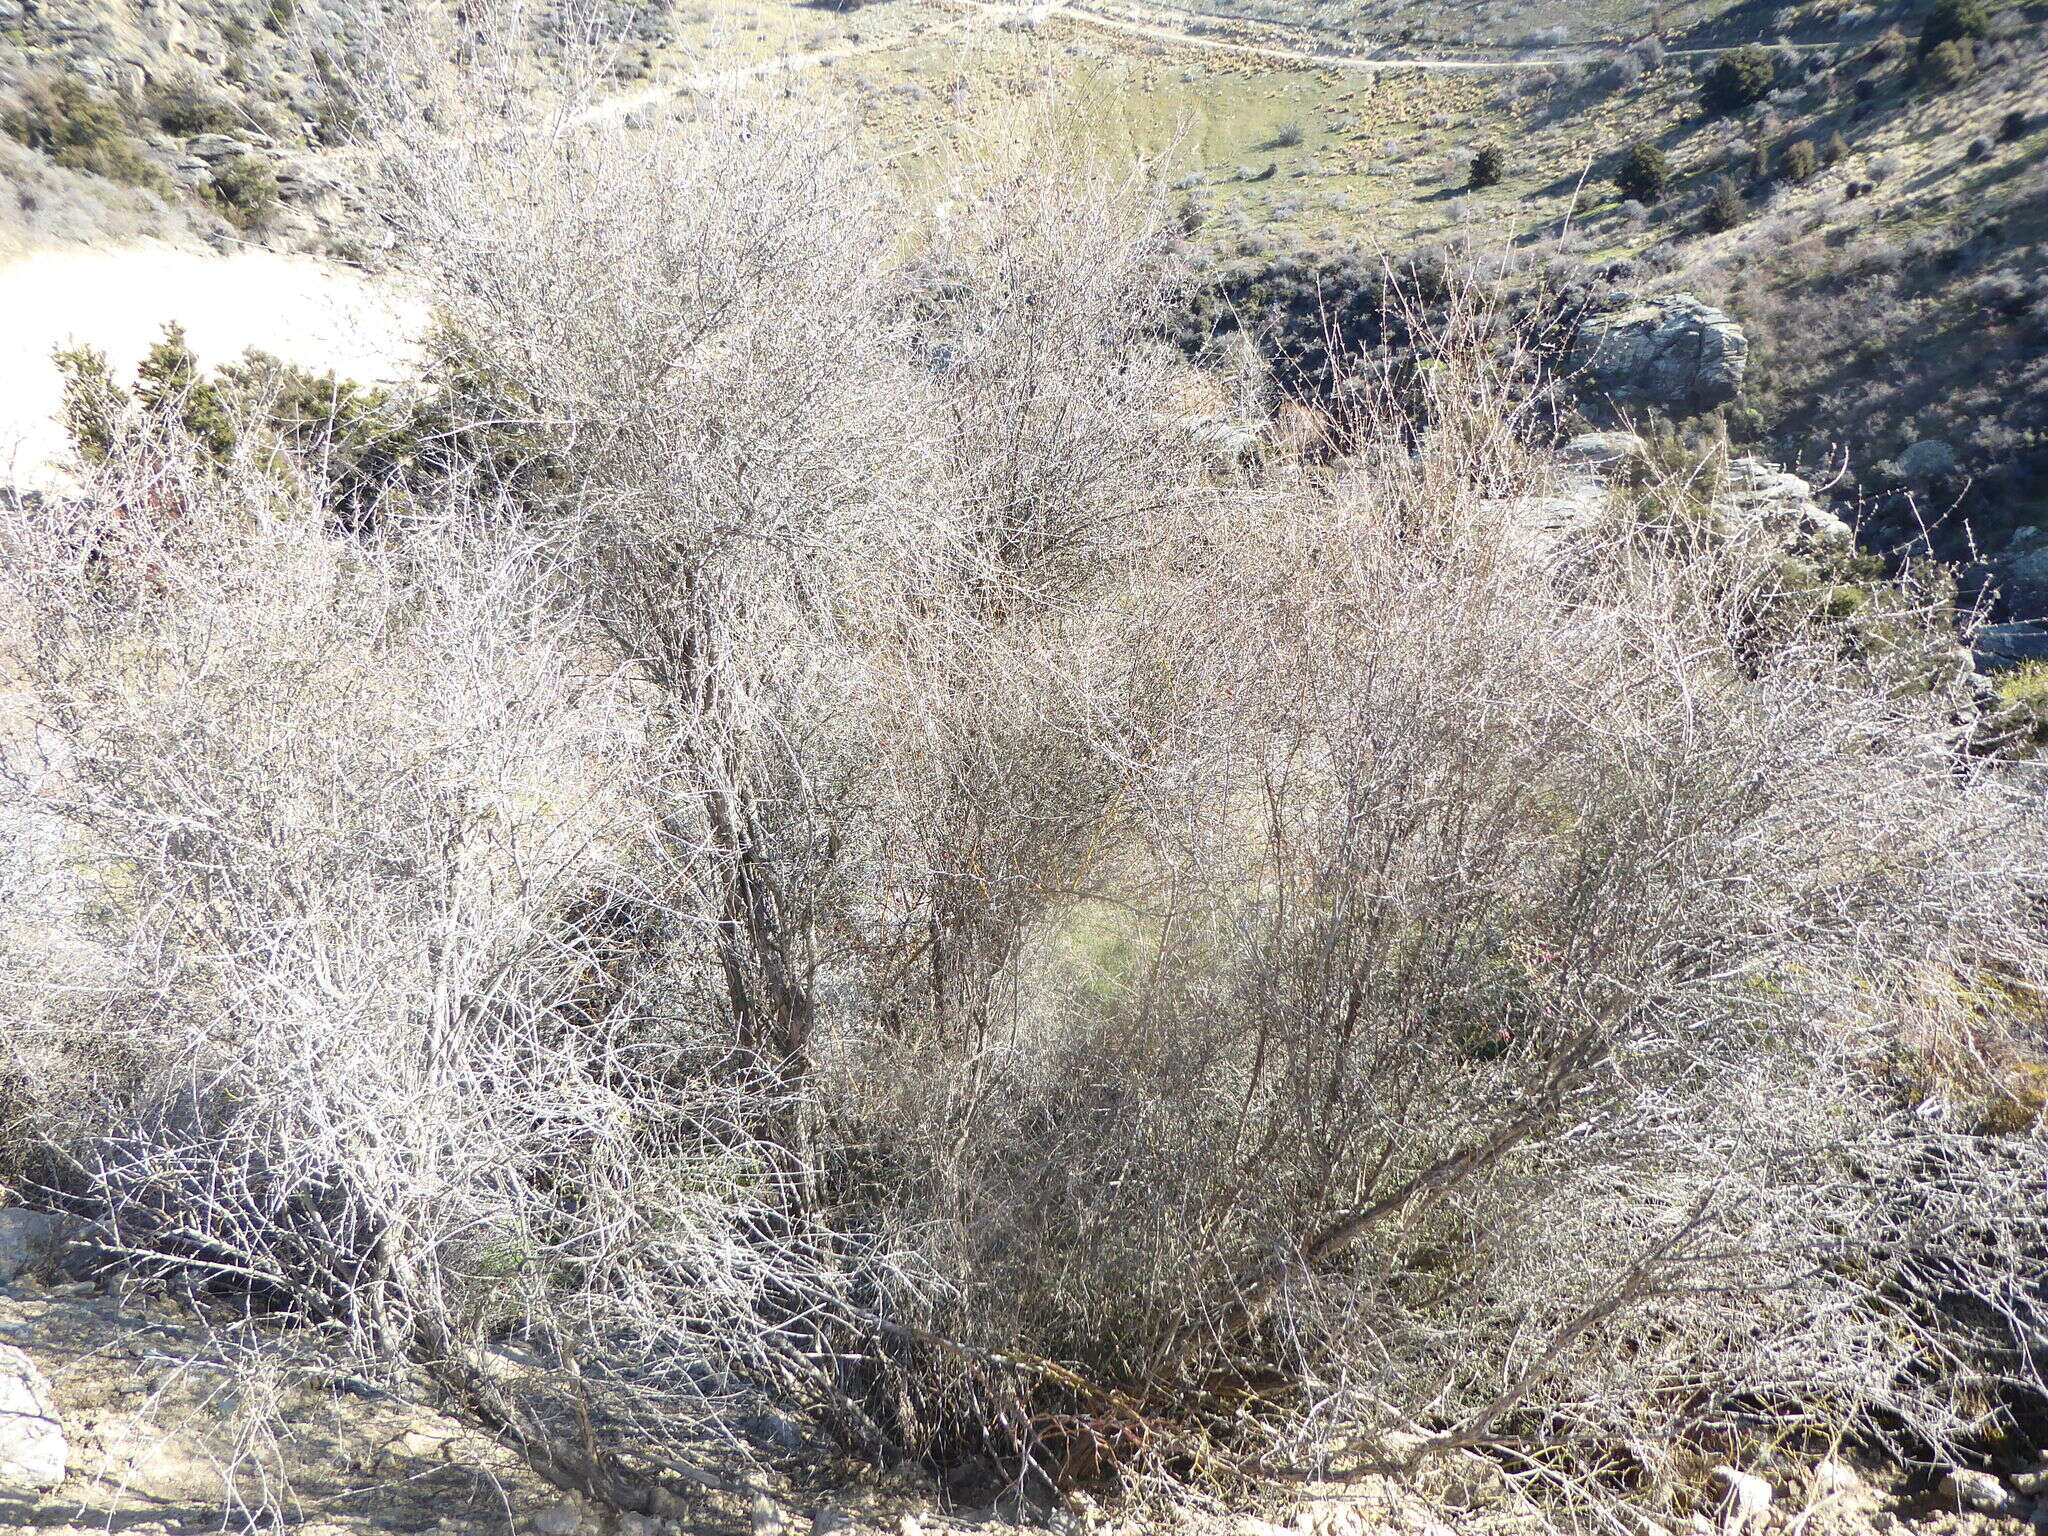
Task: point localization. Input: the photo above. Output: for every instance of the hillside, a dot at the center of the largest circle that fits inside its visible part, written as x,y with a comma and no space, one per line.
1889,283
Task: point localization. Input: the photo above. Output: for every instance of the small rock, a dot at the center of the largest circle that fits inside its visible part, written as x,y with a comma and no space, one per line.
2032,1484
1748,1504
1602,450
636,1525
908,1526
829,1522
1834,1478
33,1453
665,1504
766,1515
1980,1491
563,1519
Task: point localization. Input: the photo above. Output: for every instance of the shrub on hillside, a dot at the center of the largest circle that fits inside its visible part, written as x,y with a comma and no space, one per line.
1798,161
1947,66
186,108
1725,208
1953,21
245,189
80,128
1740,78
1644,174
363,454
170,386
1622,72
1488,166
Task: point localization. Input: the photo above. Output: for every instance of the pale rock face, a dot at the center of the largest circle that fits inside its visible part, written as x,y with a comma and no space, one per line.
1678,352
33,1453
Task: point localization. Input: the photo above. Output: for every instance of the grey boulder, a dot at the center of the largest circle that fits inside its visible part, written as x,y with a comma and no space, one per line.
1980,1491
25,1237
1680,353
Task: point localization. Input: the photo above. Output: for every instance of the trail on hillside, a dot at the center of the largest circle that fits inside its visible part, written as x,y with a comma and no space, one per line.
1172,24
614,107
1161,25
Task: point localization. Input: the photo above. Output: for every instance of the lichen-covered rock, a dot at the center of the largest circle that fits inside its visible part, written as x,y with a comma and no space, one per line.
1680,353
1932,459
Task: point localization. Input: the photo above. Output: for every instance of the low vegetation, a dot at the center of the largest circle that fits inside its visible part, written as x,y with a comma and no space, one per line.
80,128
1739,78
1644,174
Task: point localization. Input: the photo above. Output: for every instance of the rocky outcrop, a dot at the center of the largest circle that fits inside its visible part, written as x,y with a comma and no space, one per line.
1679,353
1780,503
1751,497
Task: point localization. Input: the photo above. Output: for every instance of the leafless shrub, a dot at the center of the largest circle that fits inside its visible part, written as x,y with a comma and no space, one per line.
896,887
